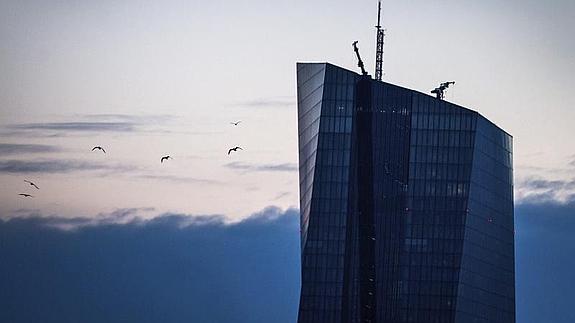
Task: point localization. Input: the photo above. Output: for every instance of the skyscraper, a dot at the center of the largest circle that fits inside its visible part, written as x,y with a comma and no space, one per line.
406,205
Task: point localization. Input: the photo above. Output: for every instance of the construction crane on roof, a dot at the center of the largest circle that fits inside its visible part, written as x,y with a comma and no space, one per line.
360,62
440,91
379,46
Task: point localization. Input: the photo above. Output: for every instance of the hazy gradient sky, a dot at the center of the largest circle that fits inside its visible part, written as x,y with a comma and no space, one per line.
145,79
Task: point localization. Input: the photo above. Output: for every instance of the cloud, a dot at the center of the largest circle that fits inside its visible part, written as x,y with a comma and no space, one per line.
91,123
142,216
78,126
14,149
540,185
141,119
283,167
125,216
179,267
538,190
54,166
270,102
544,171
180,179
173,268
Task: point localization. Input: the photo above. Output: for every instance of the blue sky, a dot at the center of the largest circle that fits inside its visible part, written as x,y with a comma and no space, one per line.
146,79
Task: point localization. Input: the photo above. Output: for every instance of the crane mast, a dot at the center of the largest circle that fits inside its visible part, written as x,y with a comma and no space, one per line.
379,46
359,61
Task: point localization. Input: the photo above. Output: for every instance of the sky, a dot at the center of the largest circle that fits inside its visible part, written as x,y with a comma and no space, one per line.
145,79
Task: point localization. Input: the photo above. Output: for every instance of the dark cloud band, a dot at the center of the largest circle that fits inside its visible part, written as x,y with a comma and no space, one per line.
173,268
272,102
14,149
78,126
55,166
283,167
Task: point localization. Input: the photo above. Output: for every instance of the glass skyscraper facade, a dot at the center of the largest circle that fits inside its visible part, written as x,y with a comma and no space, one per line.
406,205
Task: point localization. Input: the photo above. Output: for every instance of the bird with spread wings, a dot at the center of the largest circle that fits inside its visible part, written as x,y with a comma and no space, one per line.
32,184
99,148
234,149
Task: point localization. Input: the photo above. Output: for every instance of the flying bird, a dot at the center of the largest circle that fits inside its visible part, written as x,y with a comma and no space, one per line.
164,158
234,149
32,184
235,123
100,148
25,195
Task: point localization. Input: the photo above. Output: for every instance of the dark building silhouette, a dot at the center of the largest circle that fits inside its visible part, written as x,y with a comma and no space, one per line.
406,205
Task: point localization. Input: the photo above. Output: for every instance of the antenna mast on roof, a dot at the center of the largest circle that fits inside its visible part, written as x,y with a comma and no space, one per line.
379,46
